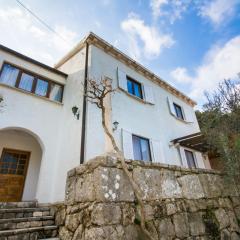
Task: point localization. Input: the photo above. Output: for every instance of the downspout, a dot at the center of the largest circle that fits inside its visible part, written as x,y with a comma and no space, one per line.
84,115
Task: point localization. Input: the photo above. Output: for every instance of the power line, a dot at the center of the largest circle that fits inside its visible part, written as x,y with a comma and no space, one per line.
41,21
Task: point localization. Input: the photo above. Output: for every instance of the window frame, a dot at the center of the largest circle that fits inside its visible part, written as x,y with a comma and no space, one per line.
133,81
175,105
10,150
36,77
149,147
194,157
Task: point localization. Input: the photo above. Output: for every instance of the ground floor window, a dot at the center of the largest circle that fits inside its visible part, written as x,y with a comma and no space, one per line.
190,159
141,148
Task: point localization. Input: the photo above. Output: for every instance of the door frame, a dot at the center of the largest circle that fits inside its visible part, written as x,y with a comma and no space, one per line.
28,153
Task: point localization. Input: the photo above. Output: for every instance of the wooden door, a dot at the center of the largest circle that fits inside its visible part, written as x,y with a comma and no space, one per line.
13,170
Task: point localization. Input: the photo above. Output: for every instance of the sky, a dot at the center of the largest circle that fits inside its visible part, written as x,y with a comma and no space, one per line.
191,44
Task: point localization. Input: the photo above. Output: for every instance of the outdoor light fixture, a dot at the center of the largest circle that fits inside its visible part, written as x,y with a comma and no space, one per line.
115,125
75,111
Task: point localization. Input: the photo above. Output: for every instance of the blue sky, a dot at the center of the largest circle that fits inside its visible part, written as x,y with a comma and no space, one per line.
192,44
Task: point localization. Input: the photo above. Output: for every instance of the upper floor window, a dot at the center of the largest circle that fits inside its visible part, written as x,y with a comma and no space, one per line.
141,148
190,159
134,88
178,111
22,79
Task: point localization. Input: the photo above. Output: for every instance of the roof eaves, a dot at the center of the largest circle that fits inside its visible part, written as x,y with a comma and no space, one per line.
33,61
96,40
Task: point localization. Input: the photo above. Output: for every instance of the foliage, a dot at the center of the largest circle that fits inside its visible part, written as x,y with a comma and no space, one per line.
220,123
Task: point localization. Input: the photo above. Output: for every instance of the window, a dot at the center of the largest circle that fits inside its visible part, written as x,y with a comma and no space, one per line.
26,82
134,88
14,162
22,79
56,92
178,111
141,148
190,159
9,75
41,88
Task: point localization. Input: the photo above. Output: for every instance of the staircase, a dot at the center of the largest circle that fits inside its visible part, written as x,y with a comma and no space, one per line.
26,221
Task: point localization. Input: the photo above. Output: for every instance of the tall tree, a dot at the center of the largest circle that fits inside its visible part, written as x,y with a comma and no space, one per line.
220,123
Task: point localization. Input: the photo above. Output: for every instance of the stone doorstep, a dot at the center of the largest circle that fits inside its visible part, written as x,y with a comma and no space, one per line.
20,210
26,230
26,219
26,204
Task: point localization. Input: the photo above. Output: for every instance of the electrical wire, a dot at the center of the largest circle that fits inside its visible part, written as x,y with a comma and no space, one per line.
42,22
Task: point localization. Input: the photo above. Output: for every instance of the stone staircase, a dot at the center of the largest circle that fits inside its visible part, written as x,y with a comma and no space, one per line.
26,221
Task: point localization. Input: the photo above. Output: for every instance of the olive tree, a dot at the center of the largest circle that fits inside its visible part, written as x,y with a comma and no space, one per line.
220,123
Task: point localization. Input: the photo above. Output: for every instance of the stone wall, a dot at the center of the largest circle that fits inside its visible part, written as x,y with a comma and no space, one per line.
180,203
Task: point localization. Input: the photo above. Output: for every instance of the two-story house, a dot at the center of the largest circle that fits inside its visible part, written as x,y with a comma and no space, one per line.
47,127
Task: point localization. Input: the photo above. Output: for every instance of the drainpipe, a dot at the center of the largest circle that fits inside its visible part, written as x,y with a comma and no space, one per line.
84,115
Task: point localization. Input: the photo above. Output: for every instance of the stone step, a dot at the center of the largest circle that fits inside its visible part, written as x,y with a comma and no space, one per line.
26,204
17,223
24,212
49,239
33,233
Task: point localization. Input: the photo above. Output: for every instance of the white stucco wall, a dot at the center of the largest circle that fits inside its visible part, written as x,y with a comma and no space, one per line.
20,140
52,123
59,132
151,121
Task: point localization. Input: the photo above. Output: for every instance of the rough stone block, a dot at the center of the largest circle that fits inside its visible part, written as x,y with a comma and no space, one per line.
78,233
105,214
85,189
157,184
112,184
212,185
169,185
72,222
103,233
165,228
60,217
171,208
181,225
191,187
128,214
70,190
222,218
196,225
65,234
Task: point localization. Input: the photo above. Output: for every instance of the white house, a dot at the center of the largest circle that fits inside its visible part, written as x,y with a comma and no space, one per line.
41,138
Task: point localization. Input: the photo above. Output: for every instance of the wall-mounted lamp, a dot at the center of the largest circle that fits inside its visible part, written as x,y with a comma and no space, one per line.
115,125
75,111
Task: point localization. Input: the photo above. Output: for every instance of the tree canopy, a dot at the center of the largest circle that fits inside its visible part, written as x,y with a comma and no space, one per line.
220,123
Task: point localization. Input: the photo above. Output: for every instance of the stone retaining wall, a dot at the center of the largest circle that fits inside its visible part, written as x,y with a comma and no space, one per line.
180,203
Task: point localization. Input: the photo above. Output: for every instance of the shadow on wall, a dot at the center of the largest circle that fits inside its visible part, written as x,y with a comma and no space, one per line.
21,154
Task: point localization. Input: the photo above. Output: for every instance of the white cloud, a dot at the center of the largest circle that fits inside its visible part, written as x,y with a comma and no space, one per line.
157,6
180,74
144,40
220,62
218,11
27,35
170,9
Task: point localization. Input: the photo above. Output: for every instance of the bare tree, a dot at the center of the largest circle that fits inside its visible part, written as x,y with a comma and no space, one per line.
1,103
96,93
